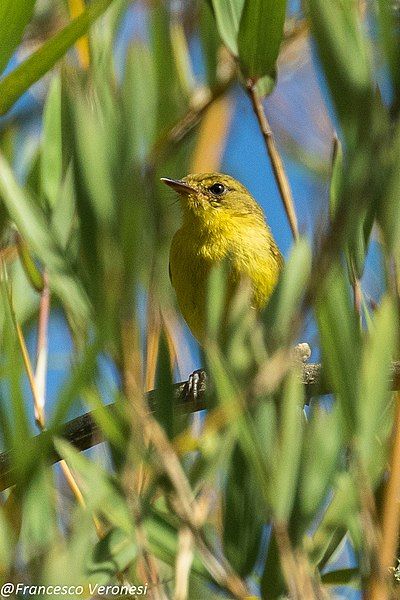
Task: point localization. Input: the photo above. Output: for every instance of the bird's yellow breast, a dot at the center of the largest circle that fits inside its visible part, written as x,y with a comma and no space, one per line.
247,245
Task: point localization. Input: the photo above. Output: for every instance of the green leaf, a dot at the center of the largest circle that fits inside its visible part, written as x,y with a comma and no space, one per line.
340,341
336,517
162,536
41,61
51,154
342,577
227,15
272,583
34,227
32,272
14,17
389,38
321,449
170,98
374,394
288,451
260,36
285,302
344,54
99,488
7,542
243,515
111,555
62,216
336,177
210,43
164,405
38,516
140,101
388,209
93,158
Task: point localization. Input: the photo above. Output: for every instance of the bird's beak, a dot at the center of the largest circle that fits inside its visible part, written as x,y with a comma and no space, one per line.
179,186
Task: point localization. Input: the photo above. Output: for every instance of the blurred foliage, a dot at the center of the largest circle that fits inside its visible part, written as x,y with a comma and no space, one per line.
264,495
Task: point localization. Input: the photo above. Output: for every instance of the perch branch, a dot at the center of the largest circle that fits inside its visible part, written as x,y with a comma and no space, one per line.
83,432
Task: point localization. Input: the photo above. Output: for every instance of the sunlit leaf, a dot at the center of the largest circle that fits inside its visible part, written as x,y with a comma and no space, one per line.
33,68
374,395
260,36
35,229
340,341
227,15
140,101
51,154
14,17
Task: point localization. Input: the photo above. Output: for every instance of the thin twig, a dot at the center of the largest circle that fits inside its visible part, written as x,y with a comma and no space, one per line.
275,158
42,345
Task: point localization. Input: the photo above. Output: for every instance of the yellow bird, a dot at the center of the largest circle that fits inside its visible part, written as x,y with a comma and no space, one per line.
221,221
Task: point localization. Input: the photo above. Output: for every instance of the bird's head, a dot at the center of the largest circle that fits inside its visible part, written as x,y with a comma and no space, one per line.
214,198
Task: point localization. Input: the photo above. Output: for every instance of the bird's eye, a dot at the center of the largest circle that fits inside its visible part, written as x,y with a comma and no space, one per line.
217,189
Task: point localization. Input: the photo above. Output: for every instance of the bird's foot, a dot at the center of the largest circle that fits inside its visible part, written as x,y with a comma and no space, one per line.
194,384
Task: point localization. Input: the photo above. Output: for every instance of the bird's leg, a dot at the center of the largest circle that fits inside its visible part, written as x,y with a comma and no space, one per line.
194,384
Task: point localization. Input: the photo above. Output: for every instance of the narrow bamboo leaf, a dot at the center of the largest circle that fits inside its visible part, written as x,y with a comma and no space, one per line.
336,177
170,99
39,514
374,394
260,36
210,42
320,455
32,273
286,299
94,164
273,585
289,447
51,154
389,208
340,340
108,498
243,515
343,506
34,227
389,38
8,532
344,55
13,366
227,15
62,216
14,17
162,536
348,577
111,555
165,407
140,101
33,68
